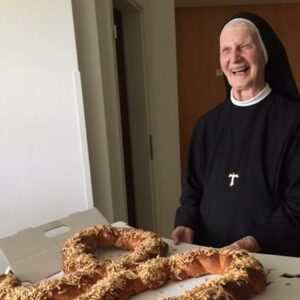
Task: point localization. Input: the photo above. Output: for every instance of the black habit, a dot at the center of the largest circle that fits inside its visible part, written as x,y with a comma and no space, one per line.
264,201
261,143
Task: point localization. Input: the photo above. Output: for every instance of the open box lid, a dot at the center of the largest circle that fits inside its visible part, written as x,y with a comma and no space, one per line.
33,254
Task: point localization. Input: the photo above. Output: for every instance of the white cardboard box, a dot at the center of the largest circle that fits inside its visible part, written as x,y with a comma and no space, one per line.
33,254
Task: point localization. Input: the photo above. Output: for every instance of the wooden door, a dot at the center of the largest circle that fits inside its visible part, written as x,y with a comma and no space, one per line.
200,86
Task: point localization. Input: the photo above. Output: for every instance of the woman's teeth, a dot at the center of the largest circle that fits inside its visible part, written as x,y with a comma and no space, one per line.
239,70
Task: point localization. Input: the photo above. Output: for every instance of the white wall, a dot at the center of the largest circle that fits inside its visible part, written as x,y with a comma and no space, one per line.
44,171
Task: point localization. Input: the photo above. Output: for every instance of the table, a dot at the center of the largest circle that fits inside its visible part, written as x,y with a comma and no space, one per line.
279,288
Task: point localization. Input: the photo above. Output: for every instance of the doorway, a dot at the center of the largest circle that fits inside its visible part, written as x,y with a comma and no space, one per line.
200,81
124,111
134,114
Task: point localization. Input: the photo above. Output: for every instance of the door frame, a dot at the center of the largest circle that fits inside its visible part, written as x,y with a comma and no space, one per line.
132,19
134,50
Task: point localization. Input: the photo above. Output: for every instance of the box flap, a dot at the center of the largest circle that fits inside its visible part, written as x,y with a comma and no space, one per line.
34,253
38,266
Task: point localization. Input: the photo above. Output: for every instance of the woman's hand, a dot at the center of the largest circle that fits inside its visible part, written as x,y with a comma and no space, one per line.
182,234
248,243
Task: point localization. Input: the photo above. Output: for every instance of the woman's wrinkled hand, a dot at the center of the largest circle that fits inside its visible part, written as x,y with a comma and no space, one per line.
182,234
248,243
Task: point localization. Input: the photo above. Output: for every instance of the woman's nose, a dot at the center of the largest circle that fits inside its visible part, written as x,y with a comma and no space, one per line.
235,55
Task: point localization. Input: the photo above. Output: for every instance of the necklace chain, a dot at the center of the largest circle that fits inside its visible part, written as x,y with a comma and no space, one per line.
233,175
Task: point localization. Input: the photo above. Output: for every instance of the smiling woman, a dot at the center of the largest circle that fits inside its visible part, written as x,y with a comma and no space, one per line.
241,185
200,81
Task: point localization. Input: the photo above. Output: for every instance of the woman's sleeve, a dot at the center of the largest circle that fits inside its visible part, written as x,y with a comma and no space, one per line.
188,212
281,233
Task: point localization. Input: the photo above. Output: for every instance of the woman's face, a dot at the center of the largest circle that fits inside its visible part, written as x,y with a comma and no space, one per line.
242,60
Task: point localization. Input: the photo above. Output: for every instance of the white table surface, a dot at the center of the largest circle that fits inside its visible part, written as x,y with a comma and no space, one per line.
279,288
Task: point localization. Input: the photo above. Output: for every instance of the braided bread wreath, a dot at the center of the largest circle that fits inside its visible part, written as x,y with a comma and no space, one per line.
145,267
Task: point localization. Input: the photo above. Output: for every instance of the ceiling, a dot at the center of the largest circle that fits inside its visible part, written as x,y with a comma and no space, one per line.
183,3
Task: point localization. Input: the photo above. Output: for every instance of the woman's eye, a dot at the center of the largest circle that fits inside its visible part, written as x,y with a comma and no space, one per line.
225,50
247,46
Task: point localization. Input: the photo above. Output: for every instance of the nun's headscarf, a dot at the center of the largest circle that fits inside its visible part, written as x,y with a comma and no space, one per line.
278,73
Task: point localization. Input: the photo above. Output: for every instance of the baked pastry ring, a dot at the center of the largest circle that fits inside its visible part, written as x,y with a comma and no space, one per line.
79,250
82,268
87,277
242,276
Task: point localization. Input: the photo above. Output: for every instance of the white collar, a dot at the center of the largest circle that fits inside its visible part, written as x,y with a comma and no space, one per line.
259,97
